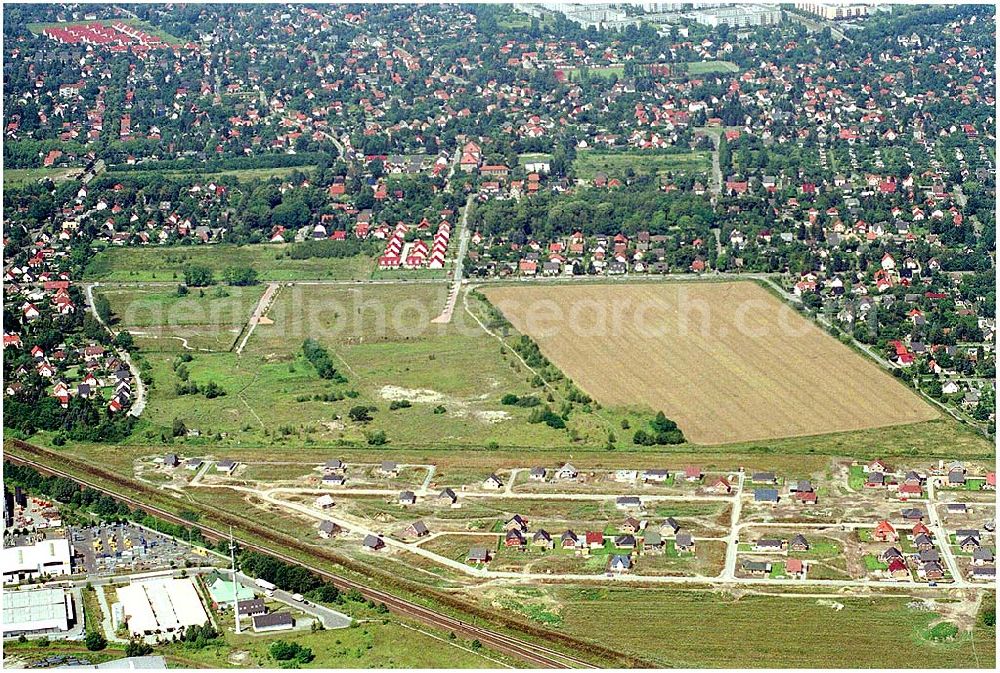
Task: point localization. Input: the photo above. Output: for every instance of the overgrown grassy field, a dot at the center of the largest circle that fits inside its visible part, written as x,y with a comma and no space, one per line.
161,320
374,644
589,163
17,177
132,264
605,72
710,67
380,338
695,629
727,361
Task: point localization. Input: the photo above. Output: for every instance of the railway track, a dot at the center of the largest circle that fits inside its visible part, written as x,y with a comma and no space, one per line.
532,653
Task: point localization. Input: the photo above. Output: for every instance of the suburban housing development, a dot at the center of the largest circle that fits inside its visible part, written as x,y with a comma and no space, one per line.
538,335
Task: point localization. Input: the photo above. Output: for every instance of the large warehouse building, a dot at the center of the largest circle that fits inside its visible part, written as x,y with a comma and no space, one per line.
37,611
46,557
161,606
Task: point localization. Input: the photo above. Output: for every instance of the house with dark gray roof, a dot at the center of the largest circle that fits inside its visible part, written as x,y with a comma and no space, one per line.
799,543
478,555
670,526
418,529
765,495
929,555
768,544
273,621
628,502
252,607
620,563
982,556
756,567
625,541
986,573
328,529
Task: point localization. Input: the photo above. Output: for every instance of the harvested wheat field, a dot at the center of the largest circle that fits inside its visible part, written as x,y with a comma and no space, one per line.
727,361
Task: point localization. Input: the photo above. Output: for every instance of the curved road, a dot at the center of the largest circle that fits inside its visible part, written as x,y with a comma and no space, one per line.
139,404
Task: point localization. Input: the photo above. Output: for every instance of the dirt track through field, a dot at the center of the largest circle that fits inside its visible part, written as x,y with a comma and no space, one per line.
727,361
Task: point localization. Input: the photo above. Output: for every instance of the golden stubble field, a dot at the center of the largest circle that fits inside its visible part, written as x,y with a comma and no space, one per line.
727,361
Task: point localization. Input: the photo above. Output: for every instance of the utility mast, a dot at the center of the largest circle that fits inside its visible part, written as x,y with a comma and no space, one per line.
236,592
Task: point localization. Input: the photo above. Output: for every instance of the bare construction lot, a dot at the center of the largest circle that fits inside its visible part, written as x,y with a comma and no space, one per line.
727,361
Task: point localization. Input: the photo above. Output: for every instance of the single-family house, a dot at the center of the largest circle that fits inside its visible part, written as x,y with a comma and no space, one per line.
328,529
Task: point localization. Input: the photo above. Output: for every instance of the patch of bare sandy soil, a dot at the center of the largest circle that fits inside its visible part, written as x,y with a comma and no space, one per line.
15,661
455,406
962,608
239,658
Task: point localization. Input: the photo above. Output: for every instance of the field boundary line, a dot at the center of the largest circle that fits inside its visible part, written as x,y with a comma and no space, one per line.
239,394
548,386
465,303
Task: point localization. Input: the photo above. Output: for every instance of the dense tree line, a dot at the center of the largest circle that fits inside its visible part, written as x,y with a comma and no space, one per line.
103,506
629,210
292,578
320,358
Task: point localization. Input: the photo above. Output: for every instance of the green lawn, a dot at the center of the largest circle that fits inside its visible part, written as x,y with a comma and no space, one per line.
710,67
614,164
818,549
856,479
131,264
873,564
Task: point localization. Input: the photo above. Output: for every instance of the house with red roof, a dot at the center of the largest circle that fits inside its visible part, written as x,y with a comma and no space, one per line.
721,486
897,568
885,532
795,567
